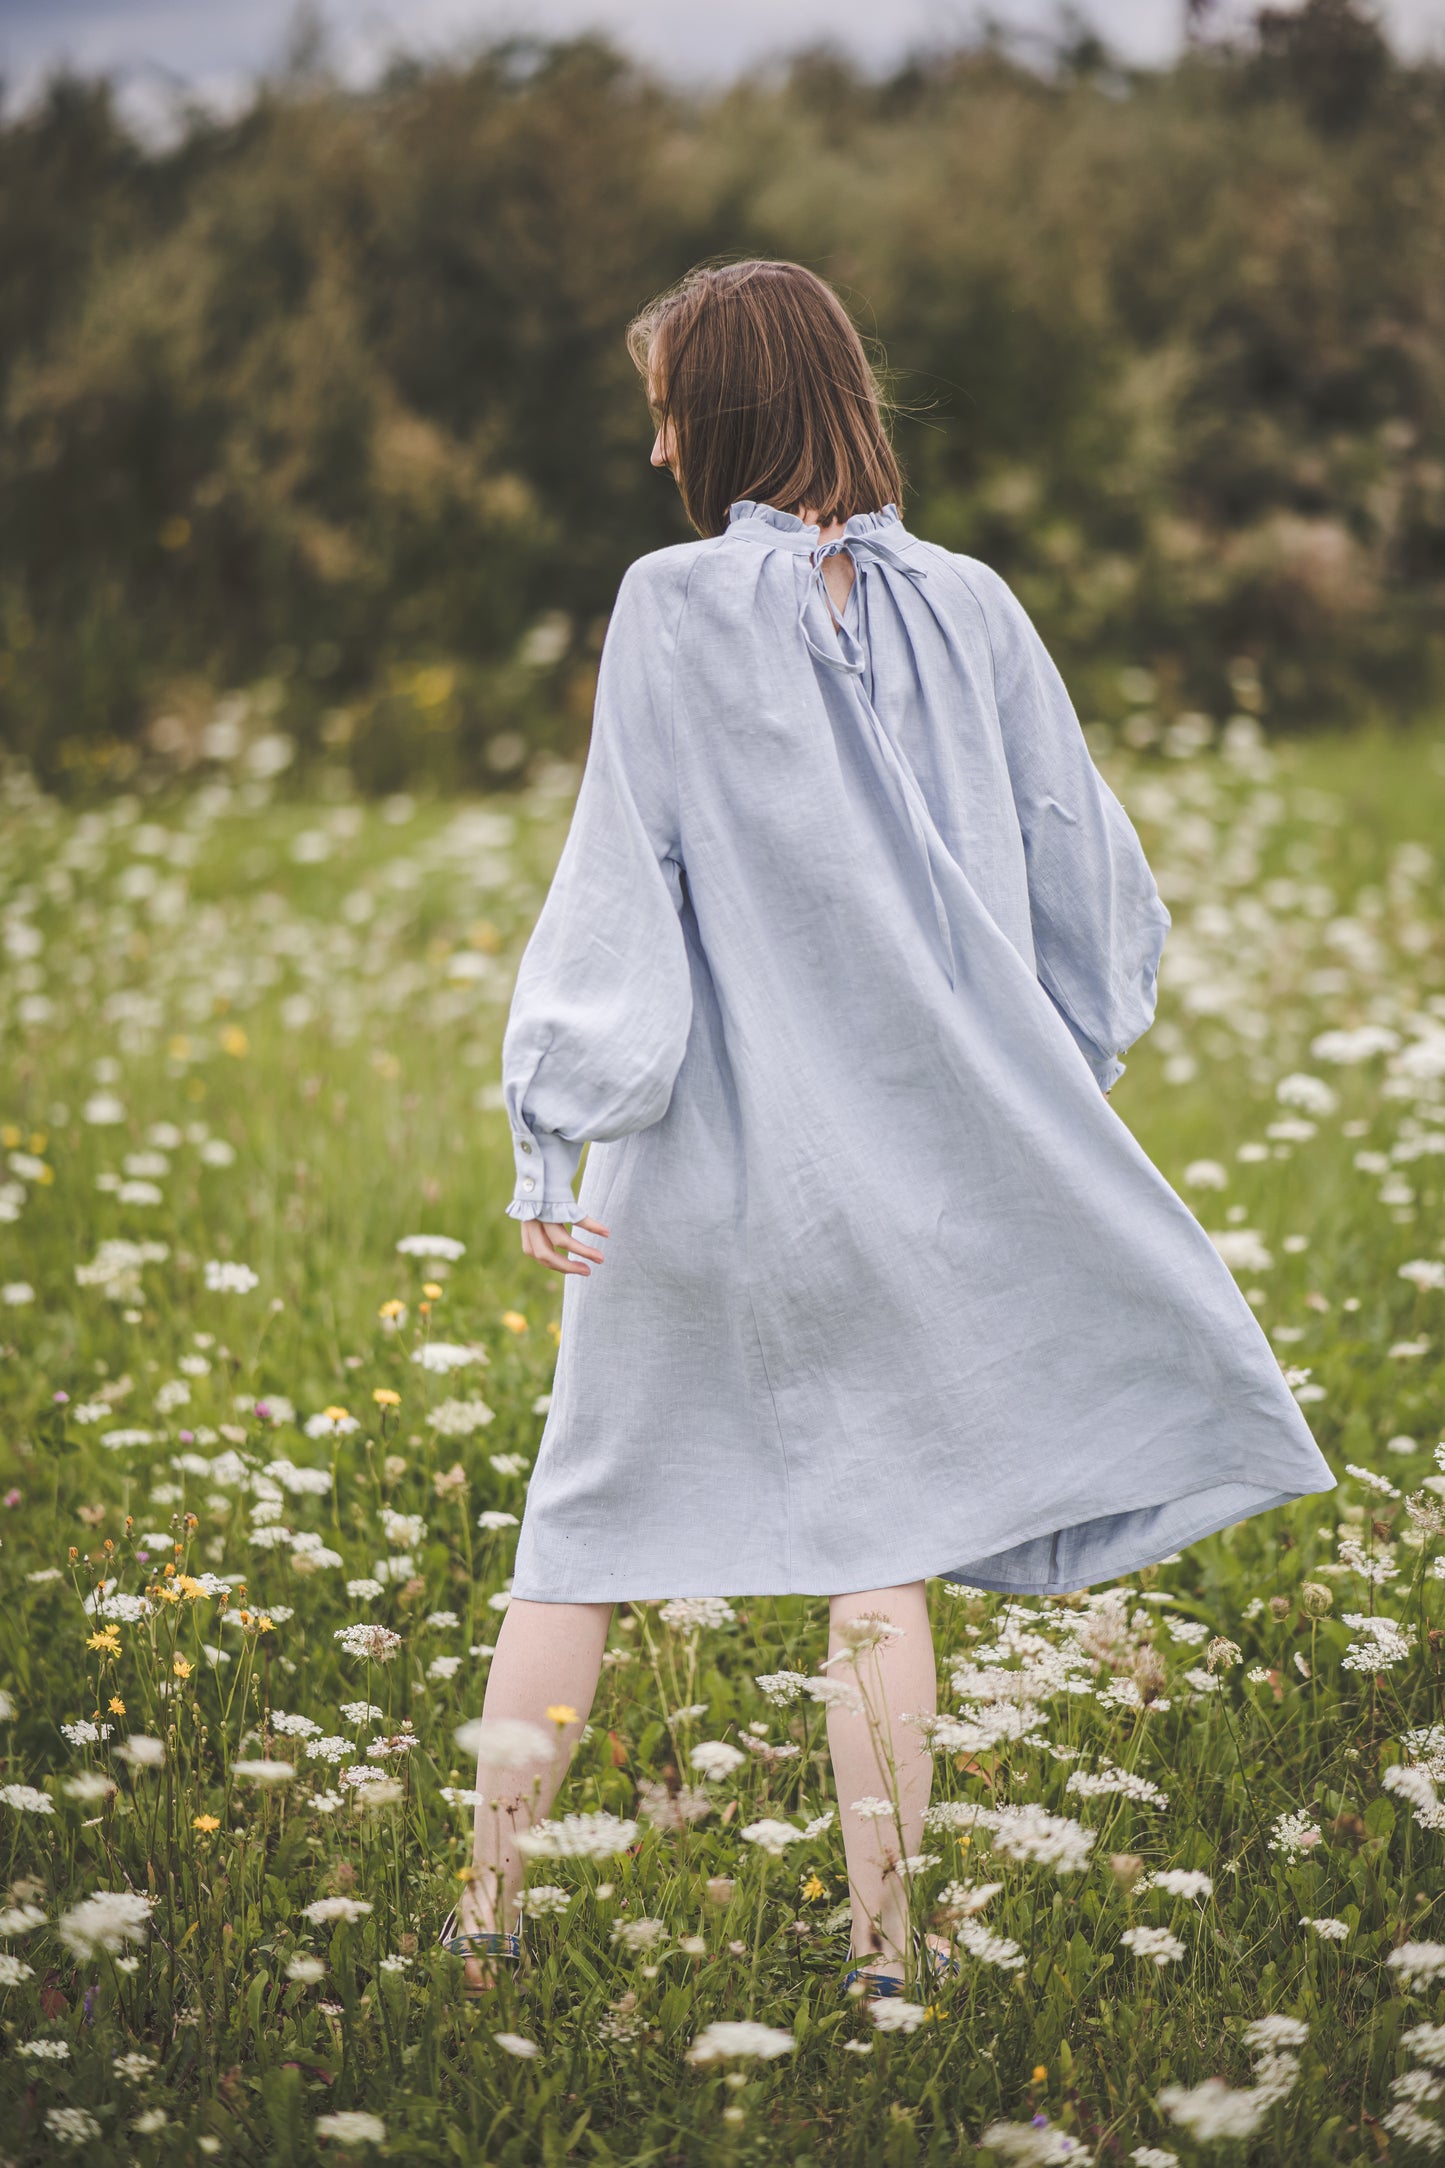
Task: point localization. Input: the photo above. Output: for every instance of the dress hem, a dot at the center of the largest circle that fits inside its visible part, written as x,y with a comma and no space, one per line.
1130,1561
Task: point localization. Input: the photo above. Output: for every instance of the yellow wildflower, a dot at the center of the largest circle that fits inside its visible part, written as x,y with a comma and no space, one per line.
561,1713
116,1706
234,1041
180,1667
385,1397
189,1586
107,1640
514,1321
206,1823
433,1290
394,1308
1041,2071
335,1415
264,1625
813,1889
554,1330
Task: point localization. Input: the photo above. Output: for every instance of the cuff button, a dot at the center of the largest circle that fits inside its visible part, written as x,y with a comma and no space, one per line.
527,1182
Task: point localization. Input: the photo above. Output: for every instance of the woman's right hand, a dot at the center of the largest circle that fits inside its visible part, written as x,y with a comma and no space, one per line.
541,1238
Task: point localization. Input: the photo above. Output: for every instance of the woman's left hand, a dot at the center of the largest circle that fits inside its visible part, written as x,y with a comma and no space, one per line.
540,1237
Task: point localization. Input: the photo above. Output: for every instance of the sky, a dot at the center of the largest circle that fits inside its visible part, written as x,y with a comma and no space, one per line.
216,47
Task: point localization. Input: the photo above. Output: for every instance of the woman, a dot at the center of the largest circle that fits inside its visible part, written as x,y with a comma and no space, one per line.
839,958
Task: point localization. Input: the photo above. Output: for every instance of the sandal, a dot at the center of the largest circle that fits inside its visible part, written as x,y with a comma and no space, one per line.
881,1983
939,1964
478,1943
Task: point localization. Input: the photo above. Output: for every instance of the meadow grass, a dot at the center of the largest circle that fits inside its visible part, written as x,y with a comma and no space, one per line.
251,1047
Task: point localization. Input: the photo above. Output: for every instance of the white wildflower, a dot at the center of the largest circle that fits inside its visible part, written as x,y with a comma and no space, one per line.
1153,1942
725,2039
578,1836
505,1742
459,1418
105,1921
325,1911
690,1614
771,1836
444,1246
352,2126
716,1758
440,1357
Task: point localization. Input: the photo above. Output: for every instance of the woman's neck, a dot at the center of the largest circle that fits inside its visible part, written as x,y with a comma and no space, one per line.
830,533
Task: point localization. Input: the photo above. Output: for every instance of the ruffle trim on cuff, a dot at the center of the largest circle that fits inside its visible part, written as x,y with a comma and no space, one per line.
550,1208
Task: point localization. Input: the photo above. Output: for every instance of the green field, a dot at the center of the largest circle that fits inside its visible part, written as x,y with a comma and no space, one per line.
251,1045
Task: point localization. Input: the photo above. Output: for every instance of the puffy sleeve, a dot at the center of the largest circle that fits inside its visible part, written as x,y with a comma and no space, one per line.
602,1005
1099,922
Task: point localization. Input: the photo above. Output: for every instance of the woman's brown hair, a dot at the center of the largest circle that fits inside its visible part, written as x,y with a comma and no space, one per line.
762,374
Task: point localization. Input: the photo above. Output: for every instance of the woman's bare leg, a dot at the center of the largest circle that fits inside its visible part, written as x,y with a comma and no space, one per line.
548,1656
877,1754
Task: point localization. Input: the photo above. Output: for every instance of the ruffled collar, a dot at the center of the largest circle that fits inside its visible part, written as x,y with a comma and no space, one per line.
764,522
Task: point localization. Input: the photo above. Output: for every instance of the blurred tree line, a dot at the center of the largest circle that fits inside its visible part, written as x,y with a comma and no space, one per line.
331,401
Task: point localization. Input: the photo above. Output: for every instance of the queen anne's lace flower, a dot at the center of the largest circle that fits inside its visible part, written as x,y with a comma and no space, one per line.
771,1836
726,2038
105,1922
578,1836
1153,1942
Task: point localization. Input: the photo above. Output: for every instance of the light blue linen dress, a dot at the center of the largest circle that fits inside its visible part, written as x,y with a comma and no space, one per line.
845,941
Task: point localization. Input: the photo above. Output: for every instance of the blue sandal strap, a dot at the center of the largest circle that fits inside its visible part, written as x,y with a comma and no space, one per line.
882,1983
483,1943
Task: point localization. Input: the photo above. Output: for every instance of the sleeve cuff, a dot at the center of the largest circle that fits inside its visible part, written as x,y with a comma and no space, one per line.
551,1208
546,1164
